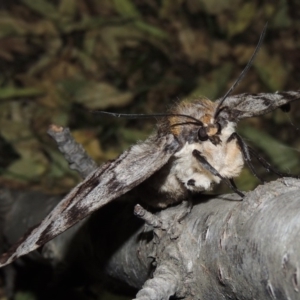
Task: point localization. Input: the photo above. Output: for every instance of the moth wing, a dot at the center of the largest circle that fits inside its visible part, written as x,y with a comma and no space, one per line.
105,184
252,105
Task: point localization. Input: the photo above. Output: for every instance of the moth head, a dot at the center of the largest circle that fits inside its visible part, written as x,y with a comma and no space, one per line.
210,130
195,122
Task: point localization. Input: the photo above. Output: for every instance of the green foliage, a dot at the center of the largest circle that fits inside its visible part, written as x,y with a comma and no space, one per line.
62,59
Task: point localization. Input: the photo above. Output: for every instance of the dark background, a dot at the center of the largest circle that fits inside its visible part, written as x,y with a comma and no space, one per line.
61,60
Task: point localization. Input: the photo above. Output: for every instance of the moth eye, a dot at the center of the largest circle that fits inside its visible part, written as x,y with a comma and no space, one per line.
202,134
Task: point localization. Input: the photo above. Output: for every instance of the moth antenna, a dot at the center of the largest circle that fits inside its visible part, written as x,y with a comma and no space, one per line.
244,72
146,116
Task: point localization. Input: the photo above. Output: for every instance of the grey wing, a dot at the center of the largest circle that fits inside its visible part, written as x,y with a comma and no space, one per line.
251,105
105,184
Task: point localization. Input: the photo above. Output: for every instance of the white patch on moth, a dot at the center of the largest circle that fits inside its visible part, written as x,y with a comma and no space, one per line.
225,157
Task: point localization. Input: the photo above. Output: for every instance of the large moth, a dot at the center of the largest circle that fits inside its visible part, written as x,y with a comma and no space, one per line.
195,147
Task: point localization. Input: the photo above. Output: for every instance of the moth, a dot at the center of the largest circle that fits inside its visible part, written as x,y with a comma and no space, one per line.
195,147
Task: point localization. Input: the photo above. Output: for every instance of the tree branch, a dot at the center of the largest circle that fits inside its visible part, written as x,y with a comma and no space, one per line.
74,153
227,248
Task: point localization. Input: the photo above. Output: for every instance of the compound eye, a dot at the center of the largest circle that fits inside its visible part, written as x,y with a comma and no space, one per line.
202,134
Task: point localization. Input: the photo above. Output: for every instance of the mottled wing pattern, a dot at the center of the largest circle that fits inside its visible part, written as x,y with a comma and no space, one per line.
105,184
252,105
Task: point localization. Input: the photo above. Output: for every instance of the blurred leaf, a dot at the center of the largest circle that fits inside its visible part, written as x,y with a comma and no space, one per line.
89,42
67,10
44,29
53,46
214,83
13,92
102,95
10,26
269,9
59,167
281,19
27,167
40,64
131,136
104,7
246,181
90,143
151,30
72,86
126,8
94,23
43,7
112,39
195,44
220,51
170,7
15,121
194,6
282,156
243,17
94,95
13,125
10,46
60,69
85,60
24,296
217,6
265,65
242,53
60,117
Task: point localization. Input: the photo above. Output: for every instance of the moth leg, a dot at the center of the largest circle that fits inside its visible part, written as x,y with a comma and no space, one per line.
245,152
268,166
212,170
233,183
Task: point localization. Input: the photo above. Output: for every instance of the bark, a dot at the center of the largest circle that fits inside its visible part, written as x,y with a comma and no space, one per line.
223,249
226,249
